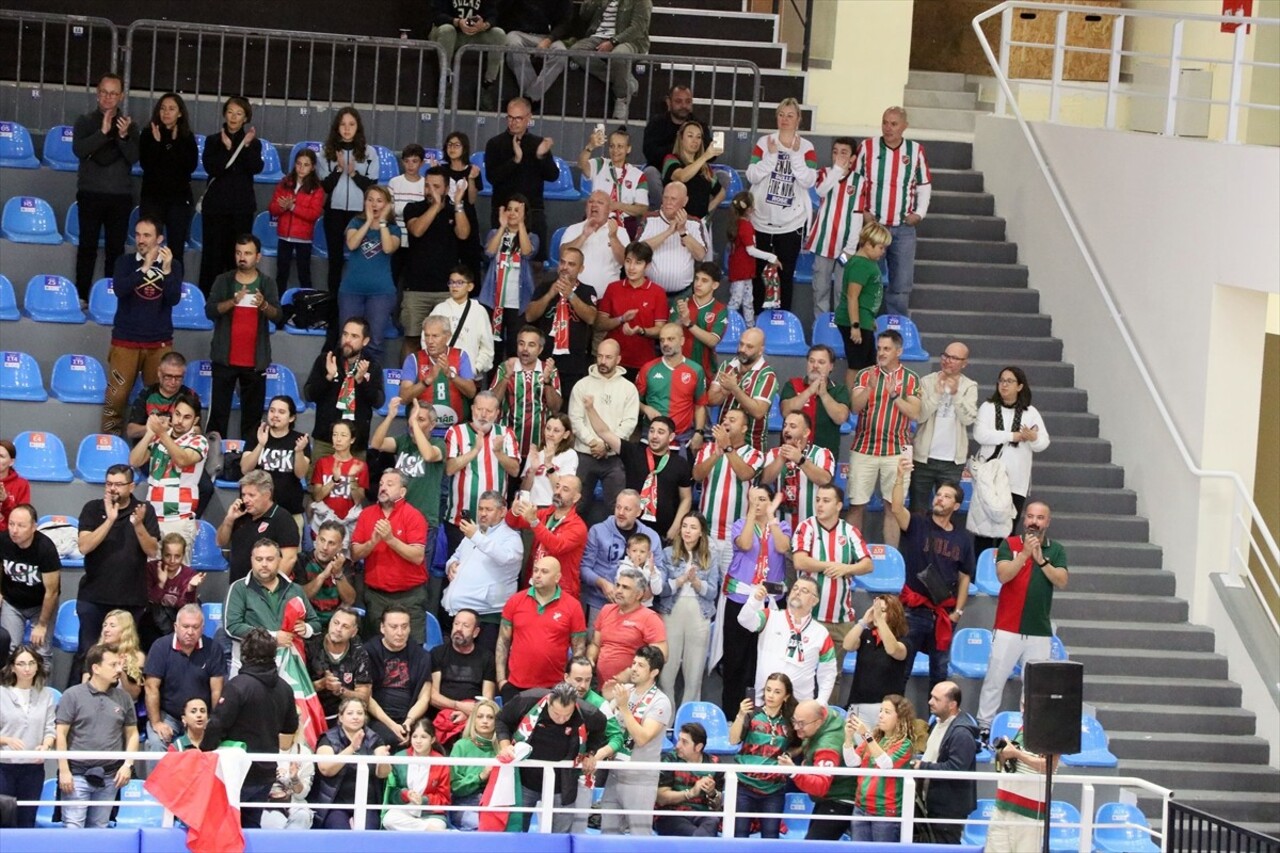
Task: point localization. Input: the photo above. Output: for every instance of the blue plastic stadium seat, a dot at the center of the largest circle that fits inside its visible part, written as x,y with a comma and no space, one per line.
987,581
562,188
8,300
97,453
199,378
28,219
1135,837
912,350
783,333
20,378
1094,751
315,146
189,312
388,164
920,665
271,172
229,445
17,151
195,235
825,331
71,226
78,379
775,415
732,332
200,174
1063,838
553,252
287,299
281,381
66,627
1004,725
850,663
804,268
477,160
888,572
103,302
319,244
975,834
435,635
584,185
44,812
41,457
713,720
137,807
840,712
798,807
57,153
212,617
52,299
69,562
733,183
971,652
134,216
391,387
264,228
206,556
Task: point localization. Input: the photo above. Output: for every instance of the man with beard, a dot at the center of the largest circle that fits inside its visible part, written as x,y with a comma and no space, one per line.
939,560
558,530
580,672
159,398
624,625
401,677
607,545
660,136
617,403
565,310
323,573
241,301
438,232
485,569
439,375
675,385
825,401
173,452
791,641
338,664
600,240
147,286
644,712
479,456
797,468
747,384
461,671
391,538
529,387
832,553
344,386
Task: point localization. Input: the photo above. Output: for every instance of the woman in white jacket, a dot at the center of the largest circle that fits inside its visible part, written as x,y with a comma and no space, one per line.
348,166
783,169
1008,423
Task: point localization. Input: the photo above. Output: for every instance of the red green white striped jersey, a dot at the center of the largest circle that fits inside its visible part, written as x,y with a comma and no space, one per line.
890,178
628,185
836,222
881,796
797,489
674,391
841,544
762,384
1022,792
714,317
883,430
482,473
724,496
174,491
524,406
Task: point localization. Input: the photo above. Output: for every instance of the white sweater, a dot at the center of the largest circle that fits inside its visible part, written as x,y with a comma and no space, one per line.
476,339
616,402
780,186
1017,460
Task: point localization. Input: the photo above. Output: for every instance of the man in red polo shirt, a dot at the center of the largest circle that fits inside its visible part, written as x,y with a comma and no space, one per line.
391,538
558,531
539,627
634,309
625,625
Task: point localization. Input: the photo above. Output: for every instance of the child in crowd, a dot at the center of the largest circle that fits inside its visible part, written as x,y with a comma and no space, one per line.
470,322
406,188
298,202
171,583
338,484
639,556
704,317
742,252
836,223
423,785
860,298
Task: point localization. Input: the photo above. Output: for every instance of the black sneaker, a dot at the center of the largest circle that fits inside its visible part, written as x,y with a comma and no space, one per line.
984,737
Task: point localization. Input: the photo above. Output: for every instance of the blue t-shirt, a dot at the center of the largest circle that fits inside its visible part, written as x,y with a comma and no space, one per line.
368,269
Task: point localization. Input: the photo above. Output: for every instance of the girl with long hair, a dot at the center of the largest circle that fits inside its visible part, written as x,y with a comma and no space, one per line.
457,161
765,732
743,254
422,785
889,746
297,204
168,153
695,574
545,465
348,168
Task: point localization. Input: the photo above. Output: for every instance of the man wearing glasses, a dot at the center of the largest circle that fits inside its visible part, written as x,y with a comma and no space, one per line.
791,640
821,731
948,407
519,162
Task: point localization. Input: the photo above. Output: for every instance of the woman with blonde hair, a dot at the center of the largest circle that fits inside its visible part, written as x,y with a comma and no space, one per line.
690,163
889,746
368,289
121,632
478,741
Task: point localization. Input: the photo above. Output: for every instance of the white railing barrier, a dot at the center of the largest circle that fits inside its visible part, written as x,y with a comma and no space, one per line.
546,807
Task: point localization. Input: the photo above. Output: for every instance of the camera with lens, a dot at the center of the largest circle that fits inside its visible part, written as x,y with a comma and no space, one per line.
1009,765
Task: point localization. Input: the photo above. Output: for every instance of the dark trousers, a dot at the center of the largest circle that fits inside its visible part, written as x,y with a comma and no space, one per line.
943,833
920,638
219,252
750,801
335,233
687,824
251,818
982,543
838,815
512,322
100,213
253,394
286,253
738,666
787,248
925,477
91,617
22,782
175,214
592,470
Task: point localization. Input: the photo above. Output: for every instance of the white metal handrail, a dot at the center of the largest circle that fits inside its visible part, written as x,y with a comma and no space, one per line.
1174,57
1237,557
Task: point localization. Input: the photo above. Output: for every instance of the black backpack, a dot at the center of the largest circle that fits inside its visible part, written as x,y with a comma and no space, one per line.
311,309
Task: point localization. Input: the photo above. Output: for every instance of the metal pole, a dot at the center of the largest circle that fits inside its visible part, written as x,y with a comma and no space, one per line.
1175,70
1006,33
808,34
1059,59
1233,96
1113,69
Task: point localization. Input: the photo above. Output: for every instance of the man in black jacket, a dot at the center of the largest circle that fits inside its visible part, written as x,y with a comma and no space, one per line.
257,708
344,386
952,746
519,162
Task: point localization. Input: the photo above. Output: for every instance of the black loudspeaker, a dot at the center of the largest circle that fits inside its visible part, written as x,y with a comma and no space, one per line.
1052,713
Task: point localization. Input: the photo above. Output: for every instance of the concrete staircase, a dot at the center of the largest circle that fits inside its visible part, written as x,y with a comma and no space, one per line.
937,100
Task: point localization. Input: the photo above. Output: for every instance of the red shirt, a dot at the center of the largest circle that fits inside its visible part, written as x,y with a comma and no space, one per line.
339,499
650,302
384,569
742,267
565,540
621,634
541,637
18,491
244,337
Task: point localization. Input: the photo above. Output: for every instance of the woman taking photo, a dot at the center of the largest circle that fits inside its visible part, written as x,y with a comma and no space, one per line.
545,465
348,167
26,723
421,785
231,157
889,746
1010,428
468,783
783,169
367,288
336,782
765,733
694,576
689,162
168,153
883,664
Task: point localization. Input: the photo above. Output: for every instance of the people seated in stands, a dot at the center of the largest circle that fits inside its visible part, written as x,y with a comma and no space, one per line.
368,289
335,783
626,624
765,731
625,185
695,574
147,285
391,538
401,677
535,23
564,309
469,326
539,627
289,792
195,720
323,571
797,468
26,723
297,204
14,488
678,241
231,158
467,783
30,582
792,640
823,399
180,666
423,785
338,664
254,516
120,633
544,465
168,153
283,452
344,384
173,451
483,573
689,163
171,584
614,28
458,23
883,662
440,238
508,284
601,239
348,167
462,673
339,484
265,599
691,793
889,746
440,375
747,383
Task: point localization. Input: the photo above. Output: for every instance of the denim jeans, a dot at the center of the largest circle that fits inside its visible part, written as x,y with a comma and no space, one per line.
881,832
750,801
98,816
898,268
374,308
16,619
920,638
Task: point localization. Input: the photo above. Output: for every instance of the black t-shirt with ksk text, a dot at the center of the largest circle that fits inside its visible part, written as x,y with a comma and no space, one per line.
22,579
277,459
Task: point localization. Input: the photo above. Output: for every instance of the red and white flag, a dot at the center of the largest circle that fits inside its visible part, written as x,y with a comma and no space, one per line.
194,785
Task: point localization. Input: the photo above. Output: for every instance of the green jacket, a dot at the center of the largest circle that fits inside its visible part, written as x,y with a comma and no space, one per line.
612,728
465,781
632,21
249,605
826,749
224,288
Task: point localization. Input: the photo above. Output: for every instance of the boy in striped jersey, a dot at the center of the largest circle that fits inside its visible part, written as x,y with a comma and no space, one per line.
832,552
833,231
704,316
798,467
896,192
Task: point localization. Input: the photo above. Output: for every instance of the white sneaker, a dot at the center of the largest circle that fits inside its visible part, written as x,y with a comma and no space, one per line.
621,109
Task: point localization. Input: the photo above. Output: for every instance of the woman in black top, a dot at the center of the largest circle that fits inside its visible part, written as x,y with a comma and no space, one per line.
883,658
689,162
229,202
457,155
283,452
168,153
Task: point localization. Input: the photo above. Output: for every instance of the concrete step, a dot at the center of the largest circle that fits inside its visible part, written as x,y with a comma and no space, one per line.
1227,804
1110,579
948,154
1187,691
971,273
1139,609
1151,745
964,323
1133,555
963,297
1150,662
1007,348
1114,528
1173,717
974,251
1066,474
1204,776
961,226
914,99
1040,374
937,118
1051,399
1086,633
1077,424
1074,450
729,24
957,180
765,55
939,80
1085,499
975,204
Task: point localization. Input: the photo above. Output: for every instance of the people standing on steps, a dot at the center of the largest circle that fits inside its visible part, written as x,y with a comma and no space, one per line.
348,166
231,158
519,162
168,153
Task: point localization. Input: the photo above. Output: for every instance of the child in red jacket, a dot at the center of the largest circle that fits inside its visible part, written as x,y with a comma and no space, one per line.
297,204
422,785
742,256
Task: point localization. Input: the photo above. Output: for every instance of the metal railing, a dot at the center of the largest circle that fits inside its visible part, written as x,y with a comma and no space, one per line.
1191,829
1175,58
293,79
806,21
51,64
1246,517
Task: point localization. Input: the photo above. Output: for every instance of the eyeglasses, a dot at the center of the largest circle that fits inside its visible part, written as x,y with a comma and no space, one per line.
173,377
804,590
118,485
518,118
946,356
802,724
1004,380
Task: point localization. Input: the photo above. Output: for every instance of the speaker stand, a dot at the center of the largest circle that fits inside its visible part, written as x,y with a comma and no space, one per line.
1048,801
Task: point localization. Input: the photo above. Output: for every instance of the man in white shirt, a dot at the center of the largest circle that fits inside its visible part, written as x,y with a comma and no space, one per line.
791,641
948,407
601,242
484,570
678,241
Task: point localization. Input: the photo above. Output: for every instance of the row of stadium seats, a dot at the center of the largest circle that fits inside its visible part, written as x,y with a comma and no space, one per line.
53,299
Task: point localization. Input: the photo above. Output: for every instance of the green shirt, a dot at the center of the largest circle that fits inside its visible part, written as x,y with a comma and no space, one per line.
826,748
464,781
612,728
865,272
424,477
826,431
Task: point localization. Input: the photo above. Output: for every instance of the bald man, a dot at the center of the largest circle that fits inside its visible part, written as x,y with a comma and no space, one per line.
540,625
822,734
948,407
617,403
747,383
601,241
